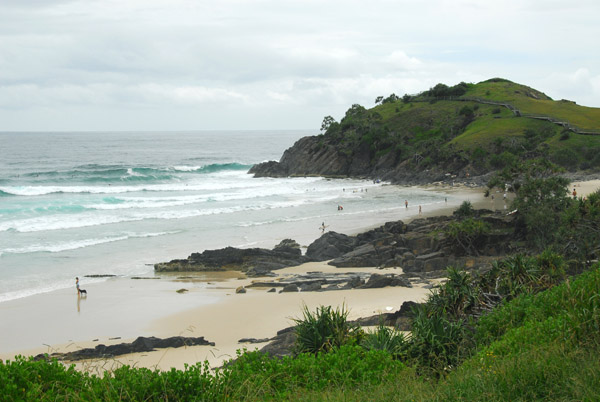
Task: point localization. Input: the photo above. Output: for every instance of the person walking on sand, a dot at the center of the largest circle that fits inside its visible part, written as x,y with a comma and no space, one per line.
323,227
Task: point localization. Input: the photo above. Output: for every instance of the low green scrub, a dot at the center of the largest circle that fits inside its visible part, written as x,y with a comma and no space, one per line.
570,311
325,329
387,339
253,376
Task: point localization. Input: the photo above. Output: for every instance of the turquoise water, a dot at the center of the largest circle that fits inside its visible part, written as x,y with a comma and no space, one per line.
75,204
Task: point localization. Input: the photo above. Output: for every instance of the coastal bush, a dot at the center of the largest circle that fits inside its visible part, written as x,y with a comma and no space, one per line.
437,342
574,305
387,339
468,235
325,329
580,228
456,297
465,210
254,375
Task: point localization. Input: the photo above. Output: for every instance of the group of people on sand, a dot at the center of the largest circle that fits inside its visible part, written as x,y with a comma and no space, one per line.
420,209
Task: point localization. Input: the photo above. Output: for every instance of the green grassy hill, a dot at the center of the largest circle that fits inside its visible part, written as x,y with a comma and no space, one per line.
468,127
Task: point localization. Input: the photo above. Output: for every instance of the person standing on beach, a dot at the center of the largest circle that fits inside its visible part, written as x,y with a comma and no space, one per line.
77,285
323,227
419,210
405,203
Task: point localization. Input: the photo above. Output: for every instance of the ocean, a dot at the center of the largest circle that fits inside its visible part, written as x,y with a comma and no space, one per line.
114,203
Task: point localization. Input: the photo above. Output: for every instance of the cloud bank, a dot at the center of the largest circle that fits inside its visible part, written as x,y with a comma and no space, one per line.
264,64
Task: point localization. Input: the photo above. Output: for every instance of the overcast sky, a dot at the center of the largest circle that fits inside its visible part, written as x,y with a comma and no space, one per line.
98,65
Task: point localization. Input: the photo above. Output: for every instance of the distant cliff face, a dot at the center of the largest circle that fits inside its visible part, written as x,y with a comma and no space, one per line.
320,156
312,156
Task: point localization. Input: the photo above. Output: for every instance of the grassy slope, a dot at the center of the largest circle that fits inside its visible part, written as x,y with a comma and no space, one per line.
422,120
517,95
439,129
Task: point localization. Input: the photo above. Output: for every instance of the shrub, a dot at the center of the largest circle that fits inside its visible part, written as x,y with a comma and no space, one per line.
387,339
456,297
325,330
505,159
436,341
467,235
465,210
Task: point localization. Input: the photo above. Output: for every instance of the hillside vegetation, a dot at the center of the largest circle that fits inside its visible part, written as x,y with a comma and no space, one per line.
466,128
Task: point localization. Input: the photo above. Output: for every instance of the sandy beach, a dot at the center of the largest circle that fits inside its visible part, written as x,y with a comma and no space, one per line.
121,309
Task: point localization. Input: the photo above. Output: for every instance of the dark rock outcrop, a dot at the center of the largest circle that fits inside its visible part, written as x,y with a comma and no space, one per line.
254,261
141,344
290,288
330,245
282,344
382,281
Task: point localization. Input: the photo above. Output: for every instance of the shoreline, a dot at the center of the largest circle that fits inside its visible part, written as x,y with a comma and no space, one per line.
118,310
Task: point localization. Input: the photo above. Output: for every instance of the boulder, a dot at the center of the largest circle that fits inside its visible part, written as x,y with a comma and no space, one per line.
254,340
381,281
289,288
254,261
240,289
330,245
311,287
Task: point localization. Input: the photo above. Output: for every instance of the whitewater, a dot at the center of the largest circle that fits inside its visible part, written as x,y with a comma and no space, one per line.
91,203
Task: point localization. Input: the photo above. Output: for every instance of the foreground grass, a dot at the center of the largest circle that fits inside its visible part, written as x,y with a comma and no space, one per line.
536,347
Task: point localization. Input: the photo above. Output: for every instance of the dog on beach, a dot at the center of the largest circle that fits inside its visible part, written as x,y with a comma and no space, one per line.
83,291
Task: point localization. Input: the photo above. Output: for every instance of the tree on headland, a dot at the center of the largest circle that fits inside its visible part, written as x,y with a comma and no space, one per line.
327,122
540,197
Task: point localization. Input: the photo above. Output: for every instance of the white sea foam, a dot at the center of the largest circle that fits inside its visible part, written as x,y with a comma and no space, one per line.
187,168
220,181
91,218
75,244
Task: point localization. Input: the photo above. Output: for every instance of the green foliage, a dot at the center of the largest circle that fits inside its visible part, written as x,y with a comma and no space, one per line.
442,90
327,122
566,158
255,376
387,339
468,235
504,160
521,274
457,297
465,210
325,330
540,198
437,341
252,376
569,312
580,228
466,111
